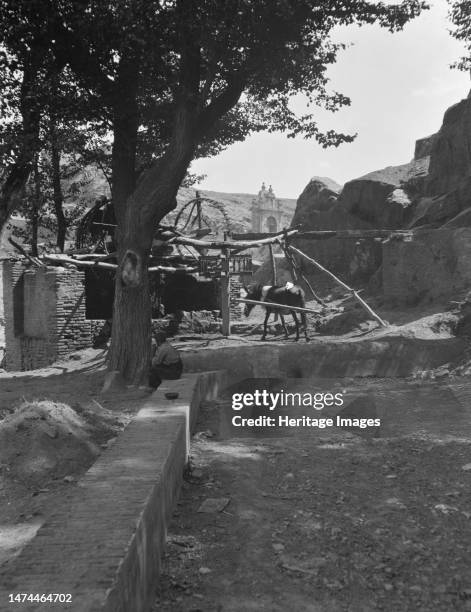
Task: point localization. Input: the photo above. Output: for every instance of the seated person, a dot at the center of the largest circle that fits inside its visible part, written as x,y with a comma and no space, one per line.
166,363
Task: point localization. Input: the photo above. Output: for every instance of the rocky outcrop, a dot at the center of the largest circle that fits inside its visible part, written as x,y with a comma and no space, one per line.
379,201
423,146
319,196
433,266
463,219
447,189
432,191
450,158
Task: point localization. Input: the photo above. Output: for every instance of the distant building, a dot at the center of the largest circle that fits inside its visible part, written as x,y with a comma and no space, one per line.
266,211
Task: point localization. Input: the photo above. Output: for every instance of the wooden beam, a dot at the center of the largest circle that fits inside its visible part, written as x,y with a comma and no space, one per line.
225,286
101,265
277,306
357,234
256,235
93,256
220,244
342,284
34,260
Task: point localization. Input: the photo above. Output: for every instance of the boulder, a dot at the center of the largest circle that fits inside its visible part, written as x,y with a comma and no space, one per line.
439,209
381,204
319,195
379,198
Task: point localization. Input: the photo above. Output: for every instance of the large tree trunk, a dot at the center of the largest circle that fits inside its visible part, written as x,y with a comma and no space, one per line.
131,308
139,214
35,212
131,331
56,186
153,198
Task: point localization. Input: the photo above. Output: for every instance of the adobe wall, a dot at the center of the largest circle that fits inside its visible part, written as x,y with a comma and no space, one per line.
430,266
44,312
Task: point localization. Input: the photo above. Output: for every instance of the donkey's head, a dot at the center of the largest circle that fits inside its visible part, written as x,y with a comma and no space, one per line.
253,292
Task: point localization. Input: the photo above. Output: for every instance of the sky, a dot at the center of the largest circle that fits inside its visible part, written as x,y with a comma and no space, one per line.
400,86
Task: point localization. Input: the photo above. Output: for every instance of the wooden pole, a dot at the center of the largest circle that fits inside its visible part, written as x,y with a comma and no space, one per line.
342,284
292,269
219,244
358,234
198,209
314,294
225,293
102,265
278,306
34,260
273,272
273,265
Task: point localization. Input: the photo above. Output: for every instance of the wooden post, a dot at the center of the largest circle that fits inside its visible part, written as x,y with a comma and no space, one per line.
198,209
273,265
297,267
368,309
226,292
273,273
292,269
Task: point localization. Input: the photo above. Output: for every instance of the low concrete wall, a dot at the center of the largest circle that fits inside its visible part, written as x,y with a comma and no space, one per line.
382,356
104,544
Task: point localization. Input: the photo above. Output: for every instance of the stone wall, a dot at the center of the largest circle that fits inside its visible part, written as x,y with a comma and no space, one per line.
44,311
431,266
235,307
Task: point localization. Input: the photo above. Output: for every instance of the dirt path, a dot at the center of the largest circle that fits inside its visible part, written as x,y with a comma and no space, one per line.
325,521
54,423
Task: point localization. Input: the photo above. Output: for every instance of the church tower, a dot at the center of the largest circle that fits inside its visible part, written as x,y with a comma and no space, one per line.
266,211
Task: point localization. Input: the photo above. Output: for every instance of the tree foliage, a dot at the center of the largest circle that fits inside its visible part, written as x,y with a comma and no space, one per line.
460,16
152,54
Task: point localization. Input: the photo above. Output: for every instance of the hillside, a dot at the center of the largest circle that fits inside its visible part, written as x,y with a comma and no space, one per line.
236,205
89,185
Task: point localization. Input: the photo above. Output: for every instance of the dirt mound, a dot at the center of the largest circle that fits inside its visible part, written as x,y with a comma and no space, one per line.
44,439
351,320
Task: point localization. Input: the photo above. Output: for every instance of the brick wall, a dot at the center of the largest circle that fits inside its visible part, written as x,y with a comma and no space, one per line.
71,326
235,307
44,315
44,312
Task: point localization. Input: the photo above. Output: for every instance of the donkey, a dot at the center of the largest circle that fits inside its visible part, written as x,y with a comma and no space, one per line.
288,295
